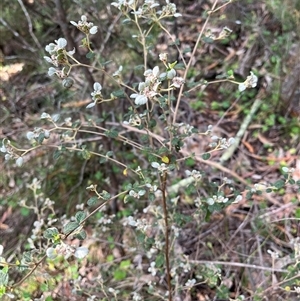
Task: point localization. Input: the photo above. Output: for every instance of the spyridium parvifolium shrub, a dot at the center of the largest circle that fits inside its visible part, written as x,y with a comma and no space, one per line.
152,180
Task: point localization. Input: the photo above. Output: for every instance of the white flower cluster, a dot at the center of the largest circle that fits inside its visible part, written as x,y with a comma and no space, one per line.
221,143
135,119
84,26
113,291
250,82
274,255
222,35
123,4
176,230
141,224
185,266
187,129
151,86
169,10
160,167
138,194
96,95
155,210
152,268
9,152
37,228
216,199
259,187
105,220
136,297
158,245
190,283
198,202
287,170
58,56
66,251
296,245
37,134
183,263
148,8
195,174
55,49
152,188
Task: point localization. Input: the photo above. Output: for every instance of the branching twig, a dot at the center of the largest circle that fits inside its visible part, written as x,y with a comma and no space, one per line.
16,34
238,264
35,39
190,62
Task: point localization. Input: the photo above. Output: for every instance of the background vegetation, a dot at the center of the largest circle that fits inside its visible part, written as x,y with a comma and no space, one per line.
243,251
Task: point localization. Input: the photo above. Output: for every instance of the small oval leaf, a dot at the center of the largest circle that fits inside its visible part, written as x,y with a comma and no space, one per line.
69,227
206,156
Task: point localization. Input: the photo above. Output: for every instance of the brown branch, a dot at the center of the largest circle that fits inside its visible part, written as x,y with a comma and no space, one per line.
164,199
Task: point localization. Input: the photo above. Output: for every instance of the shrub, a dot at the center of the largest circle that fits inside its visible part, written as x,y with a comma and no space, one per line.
144,150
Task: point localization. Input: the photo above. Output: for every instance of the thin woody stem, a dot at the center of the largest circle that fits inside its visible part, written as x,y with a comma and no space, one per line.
164,200
190,62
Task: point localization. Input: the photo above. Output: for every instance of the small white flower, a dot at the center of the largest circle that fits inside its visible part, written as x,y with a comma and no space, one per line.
85,26
195,174
237,199
274,255
93,30
242,87
45,116
71,52
96,95
285,169
52,48
55,117
171,74
155,165
190,283
52,71
7,157
51,253
81,252
176,15
231,141
20,161
3,149
136,297
137,195
118,72
61,43
177,82
152,74
152,268
131,222
91,105
97,87
48,59
140,99
122,3
151,188
163,57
